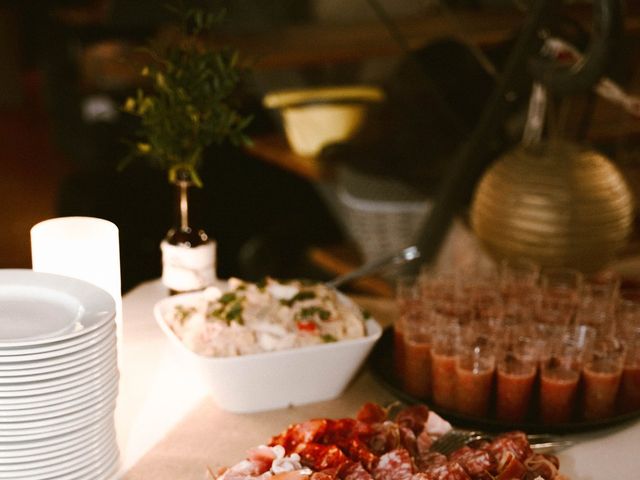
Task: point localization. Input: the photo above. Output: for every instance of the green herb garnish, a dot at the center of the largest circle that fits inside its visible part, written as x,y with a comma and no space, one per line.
235,314
328,338
311,311
298,297
227,298
182,313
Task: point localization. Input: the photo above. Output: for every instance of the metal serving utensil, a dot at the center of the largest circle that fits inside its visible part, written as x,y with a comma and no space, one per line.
455,439
403,256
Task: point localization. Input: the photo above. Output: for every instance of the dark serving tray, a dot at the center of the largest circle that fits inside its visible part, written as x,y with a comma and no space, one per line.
381,364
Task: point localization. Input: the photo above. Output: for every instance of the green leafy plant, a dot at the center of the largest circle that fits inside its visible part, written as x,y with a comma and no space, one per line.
189,103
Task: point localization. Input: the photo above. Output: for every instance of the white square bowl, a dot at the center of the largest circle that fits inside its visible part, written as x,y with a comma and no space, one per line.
272,380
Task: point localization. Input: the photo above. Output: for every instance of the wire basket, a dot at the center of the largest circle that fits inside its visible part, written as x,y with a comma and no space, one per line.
381,227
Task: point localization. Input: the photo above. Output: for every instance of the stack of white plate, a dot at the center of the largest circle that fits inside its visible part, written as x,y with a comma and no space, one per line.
58,378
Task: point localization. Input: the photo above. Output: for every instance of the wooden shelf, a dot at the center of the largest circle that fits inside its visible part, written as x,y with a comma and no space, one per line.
274,149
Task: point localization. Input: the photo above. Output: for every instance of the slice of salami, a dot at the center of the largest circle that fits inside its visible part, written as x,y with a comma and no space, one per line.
513,469
408,440
372,413
356,472
423,443
414,417
479,464
447,471
513,442
320,457
384,437
427,460
306,432
394,465
323,475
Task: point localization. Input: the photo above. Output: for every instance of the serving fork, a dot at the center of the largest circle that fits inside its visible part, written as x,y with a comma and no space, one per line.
457,438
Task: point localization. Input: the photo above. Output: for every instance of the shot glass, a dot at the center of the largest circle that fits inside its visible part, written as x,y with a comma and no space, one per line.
596,312
475,368
410,310
629,396
517,368
560,375
443,360
488,310
417,357
561,285
602,375
627,316
518,279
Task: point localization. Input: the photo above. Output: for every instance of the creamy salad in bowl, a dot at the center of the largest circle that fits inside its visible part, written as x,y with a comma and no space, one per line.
246,318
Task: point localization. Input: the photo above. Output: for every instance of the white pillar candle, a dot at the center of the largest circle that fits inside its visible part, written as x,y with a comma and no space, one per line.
85,248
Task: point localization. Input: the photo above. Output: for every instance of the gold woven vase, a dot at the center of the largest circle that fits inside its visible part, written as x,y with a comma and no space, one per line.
558,204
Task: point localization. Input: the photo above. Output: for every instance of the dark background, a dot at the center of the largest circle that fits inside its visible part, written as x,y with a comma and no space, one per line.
58,160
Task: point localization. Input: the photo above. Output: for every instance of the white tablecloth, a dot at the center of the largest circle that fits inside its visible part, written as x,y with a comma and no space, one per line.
168,428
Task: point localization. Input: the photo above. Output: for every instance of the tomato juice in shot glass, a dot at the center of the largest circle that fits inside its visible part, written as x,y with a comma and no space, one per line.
628,326
602,375
443,361
410,310
516,373
417,357
475,367
629,396
560,375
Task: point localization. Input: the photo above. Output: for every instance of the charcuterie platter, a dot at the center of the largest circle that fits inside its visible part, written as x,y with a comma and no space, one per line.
388,444
381,364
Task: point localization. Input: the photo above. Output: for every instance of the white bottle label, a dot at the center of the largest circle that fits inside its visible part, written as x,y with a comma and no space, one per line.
185,269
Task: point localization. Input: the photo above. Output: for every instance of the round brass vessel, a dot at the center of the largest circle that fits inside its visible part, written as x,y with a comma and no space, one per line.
557,203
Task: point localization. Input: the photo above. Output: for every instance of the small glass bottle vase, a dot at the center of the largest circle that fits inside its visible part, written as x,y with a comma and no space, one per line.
188,254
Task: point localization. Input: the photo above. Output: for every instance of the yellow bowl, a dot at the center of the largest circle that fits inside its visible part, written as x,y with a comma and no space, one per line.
315,117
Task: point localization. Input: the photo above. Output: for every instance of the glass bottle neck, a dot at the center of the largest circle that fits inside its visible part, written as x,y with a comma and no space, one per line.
184,230
183,206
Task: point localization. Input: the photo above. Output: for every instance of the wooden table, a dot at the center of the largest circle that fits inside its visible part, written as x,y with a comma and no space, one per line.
168,428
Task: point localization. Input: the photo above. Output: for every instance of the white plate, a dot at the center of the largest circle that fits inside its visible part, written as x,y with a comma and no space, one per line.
56,442
53,349
62,408
37,308
55,398
27,434
103,469
90,340
59,362
66,457
57,384
84,468
22,457
99,355
9,425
